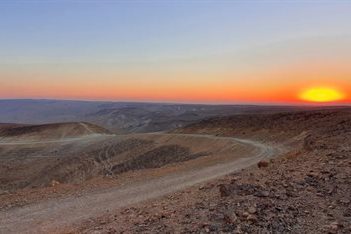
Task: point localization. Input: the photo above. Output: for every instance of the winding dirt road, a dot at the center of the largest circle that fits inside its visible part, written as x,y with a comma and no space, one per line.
53,215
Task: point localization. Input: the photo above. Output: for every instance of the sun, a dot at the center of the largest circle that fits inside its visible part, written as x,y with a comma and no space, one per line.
321,94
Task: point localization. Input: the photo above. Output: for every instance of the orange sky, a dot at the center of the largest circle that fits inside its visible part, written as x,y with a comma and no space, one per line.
278,87
265,83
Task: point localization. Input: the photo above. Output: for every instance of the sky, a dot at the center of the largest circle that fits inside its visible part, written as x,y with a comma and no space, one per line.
269,52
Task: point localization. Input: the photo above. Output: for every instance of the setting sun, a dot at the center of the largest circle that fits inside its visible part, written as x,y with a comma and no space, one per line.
322,94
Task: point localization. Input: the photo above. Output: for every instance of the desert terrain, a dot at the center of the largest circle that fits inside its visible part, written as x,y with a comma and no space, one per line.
269,172
124,117
175,116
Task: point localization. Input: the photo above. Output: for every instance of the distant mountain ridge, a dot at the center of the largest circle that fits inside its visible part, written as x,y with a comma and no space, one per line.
121,117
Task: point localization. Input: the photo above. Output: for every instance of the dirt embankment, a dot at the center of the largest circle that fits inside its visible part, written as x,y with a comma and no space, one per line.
158,157
305,191
48,131
31,155
289,127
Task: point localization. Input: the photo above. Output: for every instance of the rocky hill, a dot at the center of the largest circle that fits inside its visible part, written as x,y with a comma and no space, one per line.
49,131
123,117
307,190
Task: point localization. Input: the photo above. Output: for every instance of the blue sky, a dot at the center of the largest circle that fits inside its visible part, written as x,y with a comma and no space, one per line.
136,30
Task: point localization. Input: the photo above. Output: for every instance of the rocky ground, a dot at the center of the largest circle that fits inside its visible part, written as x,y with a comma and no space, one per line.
308,190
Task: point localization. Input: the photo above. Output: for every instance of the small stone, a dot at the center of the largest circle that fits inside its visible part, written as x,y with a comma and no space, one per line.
333,227
230,218
347,213
245,214
262,194
224,191
238,230
344,201
4,192
262,164
252,210
252,218
54,183
103,222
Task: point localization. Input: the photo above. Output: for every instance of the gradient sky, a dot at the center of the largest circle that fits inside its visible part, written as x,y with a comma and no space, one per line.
174,51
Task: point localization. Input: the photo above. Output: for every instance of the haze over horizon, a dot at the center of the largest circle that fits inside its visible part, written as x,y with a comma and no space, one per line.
177,51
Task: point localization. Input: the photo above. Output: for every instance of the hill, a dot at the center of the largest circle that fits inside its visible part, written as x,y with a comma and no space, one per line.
294,178
306,190
123,117
48,131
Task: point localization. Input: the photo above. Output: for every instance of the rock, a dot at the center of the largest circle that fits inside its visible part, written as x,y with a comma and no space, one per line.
262,164
245,214
103,222
313,174
344,201
96,230
347,213
54,183
333,227
238,230
262,194
224,191
252,218
230,218
4,192
252,210
234,179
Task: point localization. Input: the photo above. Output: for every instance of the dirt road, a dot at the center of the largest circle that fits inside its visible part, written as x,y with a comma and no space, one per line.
52,215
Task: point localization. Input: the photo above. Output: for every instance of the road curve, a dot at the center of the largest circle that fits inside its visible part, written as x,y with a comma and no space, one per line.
52,215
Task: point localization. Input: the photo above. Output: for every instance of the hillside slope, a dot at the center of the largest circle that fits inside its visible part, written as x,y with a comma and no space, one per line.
305,191
49,131
123,117
34,156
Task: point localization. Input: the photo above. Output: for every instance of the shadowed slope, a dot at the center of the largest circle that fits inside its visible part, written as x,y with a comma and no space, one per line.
49,131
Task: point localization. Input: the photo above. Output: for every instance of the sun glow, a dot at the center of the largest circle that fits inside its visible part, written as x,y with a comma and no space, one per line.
322,94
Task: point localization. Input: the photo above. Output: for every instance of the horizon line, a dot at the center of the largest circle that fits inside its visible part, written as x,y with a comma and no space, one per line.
304,104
